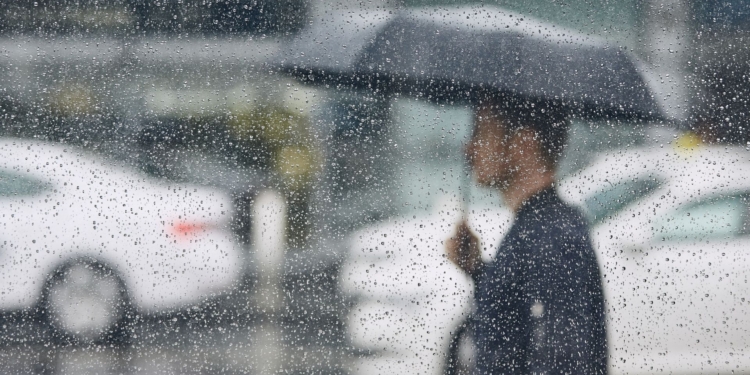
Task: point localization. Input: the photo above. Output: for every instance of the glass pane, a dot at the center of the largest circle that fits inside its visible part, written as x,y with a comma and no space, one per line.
283,186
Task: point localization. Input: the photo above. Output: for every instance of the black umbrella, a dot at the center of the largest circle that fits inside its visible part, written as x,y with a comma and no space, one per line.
455,54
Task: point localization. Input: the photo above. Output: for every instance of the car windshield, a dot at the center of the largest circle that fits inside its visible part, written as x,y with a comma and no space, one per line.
711,219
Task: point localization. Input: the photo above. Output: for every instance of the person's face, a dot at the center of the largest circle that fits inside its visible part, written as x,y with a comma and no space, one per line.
489,150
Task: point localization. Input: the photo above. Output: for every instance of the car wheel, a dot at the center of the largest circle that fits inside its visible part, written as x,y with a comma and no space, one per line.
460,357
85,302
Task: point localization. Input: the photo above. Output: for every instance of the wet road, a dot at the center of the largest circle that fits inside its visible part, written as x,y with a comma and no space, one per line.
258,349
307,337
211,351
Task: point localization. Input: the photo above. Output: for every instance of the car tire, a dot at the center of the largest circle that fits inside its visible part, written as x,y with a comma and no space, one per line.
460,357
85,302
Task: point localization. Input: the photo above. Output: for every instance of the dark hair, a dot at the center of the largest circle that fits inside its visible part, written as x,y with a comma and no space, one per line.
546,118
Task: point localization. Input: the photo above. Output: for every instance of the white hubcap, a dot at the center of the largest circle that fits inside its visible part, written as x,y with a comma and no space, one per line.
84,302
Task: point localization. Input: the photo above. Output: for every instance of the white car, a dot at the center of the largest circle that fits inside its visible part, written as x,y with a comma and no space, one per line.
85,241
670,226
671,229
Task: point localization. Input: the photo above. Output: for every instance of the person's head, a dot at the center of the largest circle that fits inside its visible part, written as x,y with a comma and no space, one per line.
515,137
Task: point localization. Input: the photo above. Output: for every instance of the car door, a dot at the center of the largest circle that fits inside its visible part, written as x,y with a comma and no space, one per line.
658,311
676,283
20,195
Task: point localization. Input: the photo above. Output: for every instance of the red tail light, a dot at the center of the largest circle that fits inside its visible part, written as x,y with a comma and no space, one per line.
185,229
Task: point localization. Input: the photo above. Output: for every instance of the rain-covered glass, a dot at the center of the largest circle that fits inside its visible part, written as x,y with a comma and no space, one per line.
347,187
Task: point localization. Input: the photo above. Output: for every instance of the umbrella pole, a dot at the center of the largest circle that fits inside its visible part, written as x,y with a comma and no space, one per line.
464,234
465,188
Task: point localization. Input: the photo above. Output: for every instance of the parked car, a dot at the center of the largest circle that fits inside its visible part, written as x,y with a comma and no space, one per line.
671,229
86,242
670,226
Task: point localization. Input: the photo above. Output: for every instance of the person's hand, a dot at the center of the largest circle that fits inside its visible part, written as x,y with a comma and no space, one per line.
463,249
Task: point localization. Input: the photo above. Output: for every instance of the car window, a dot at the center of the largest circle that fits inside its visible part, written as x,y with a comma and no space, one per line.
610,200
722,217
15,184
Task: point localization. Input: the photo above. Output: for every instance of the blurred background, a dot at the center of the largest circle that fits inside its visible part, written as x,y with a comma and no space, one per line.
180,94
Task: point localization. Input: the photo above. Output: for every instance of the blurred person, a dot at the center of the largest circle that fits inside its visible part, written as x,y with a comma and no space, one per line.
539,303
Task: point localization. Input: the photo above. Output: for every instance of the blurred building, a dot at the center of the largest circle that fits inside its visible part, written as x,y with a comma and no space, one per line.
722,74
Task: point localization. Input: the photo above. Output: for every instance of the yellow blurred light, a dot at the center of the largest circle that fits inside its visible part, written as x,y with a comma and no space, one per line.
688,143
296,164
273,125
73,100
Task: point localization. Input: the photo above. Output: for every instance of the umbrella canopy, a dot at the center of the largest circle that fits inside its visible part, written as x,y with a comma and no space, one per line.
456,53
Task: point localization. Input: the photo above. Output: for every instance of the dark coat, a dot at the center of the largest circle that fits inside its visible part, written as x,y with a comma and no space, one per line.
539,304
